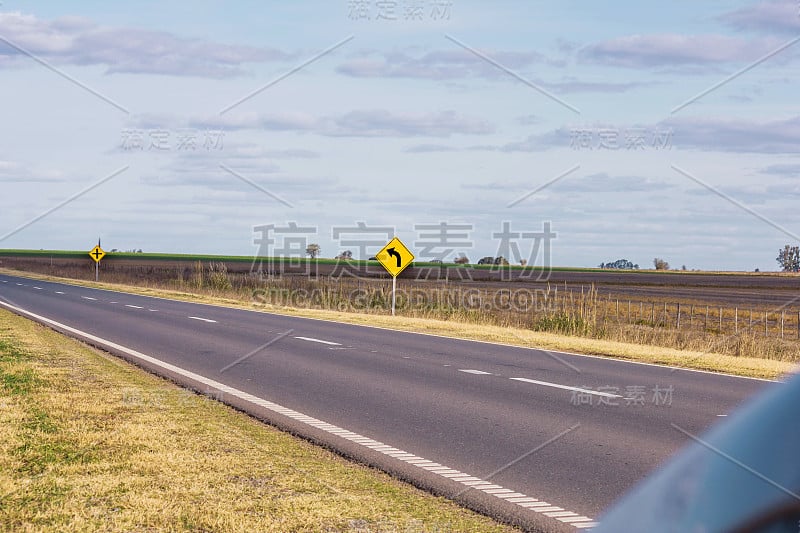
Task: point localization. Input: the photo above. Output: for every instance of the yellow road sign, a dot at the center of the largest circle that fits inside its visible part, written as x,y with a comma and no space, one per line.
395,257
97,254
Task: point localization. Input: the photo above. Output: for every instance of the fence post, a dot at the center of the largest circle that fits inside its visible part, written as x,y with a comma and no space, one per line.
782,319
666,323
736,320
678,317
691,316
705,324
629,311
653,314
766,330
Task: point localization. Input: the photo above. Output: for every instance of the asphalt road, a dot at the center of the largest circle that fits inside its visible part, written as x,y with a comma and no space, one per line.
541,439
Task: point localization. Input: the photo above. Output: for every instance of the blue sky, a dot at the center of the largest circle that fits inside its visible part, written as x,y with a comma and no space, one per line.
417,112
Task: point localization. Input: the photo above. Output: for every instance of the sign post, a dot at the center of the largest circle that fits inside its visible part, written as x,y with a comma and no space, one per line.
394,257
97,254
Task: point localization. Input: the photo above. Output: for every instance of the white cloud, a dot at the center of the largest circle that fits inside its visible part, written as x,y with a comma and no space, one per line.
357,123
672,49
436,65
15,172
79,41
768,16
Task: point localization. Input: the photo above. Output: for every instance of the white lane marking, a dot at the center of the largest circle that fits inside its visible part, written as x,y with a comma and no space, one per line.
38,288
312,339
537,506
134,306
203,319
113,302
19,284
59,292
565,387
152,309
4,281
722,415
477,372
88,298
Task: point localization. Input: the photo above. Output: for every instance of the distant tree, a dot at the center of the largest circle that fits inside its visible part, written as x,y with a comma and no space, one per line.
461,260
660,264
346,255
313,250
683,267
500,261
789,258
620,264
523,262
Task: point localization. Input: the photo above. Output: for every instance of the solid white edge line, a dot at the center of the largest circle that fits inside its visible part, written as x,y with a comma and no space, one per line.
320,341
290,413
328,321
134,306
576,389
476,372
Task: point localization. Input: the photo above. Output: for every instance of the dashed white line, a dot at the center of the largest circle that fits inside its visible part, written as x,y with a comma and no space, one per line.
203,319
525,502
19,284
134,306
312,339
476,372
152,309
565,387
722,415
38,288
88,298
59,292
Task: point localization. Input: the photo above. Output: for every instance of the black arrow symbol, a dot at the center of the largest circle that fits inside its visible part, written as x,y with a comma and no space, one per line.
392,251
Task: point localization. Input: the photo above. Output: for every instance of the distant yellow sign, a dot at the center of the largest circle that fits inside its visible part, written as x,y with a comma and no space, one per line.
97,254
395,257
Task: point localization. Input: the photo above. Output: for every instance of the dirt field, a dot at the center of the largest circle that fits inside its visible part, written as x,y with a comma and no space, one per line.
761,291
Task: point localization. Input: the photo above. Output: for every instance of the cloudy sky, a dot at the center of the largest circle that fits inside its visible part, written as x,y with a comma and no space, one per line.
646,129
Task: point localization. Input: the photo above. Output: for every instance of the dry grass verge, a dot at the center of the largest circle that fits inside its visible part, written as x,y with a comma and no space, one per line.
89,442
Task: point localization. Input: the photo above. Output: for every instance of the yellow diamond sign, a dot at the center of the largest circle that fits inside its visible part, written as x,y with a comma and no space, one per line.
395,257
97,254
